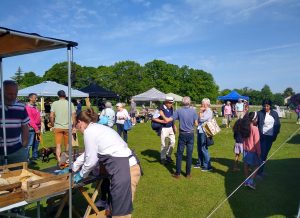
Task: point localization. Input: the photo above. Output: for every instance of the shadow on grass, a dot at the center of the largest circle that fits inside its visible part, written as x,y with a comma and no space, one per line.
295,139
154,154
276,194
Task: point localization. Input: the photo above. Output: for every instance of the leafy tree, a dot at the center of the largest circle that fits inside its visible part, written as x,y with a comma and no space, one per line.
266,93
18,77
59,73
278,99
225,92
288,92
30,79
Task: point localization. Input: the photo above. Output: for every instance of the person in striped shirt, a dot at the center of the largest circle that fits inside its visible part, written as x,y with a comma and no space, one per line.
16,121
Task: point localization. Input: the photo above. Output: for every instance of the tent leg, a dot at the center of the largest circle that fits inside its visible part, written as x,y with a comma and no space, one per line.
3,116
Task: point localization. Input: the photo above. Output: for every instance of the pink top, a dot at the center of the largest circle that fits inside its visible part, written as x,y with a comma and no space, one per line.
252,142
227,109
34,115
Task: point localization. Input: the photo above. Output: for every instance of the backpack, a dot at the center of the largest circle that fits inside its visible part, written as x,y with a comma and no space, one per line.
103,119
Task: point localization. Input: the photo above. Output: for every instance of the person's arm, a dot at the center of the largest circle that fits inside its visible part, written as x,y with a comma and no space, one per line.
167,119
52,117
90,158
74,122
157,120
256,141
24,134
203,117
78,163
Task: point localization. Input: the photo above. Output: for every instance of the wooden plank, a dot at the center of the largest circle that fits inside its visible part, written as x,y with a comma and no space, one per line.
94,196
44,191
62,205
10,186
62,178
88,199
11,198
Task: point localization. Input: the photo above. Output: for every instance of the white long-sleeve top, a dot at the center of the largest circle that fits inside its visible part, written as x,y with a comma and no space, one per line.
122,116
100,139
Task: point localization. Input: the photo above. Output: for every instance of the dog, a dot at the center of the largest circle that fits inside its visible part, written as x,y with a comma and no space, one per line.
45,153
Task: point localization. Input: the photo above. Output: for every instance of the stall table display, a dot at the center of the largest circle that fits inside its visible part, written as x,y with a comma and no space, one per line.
18,183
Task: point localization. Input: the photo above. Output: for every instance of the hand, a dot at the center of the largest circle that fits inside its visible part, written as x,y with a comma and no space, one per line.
73,130
64,171
77,177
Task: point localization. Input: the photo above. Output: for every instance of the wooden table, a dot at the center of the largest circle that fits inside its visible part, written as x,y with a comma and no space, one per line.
91,211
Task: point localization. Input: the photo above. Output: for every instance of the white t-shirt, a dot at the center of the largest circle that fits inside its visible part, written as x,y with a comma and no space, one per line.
122,116
268,127
100,139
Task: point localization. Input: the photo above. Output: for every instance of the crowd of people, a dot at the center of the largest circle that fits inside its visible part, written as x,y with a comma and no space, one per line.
254,134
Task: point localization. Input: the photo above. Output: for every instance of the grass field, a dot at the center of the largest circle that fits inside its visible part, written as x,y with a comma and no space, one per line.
159,195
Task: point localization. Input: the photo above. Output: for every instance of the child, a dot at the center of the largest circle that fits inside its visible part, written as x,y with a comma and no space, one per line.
251,146
238,146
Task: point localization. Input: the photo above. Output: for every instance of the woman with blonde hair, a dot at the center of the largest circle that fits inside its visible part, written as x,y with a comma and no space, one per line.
205,114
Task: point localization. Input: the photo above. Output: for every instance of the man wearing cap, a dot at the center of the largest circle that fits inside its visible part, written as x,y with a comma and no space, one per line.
60,122
188,118
167,131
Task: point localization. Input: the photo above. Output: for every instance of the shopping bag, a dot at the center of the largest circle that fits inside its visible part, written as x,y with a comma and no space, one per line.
211,127
127,125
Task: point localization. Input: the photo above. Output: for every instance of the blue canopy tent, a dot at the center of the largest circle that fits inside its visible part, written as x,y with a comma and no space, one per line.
233,96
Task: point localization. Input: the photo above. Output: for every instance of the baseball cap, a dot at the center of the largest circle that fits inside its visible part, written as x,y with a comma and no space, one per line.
169,99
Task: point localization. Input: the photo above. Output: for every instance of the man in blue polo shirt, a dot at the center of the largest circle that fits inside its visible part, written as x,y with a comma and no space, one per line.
167,131
16,121
188,118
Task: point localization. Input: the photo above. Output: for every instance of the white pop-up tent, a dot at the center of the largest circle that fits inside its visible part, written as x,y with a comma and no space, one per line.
177,98
14,43
49,89
150,95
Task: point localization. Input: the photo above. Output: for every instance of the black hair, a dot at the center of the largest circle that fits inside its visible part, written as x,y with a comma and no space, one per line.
245,124
267,101
9,83
61,93
32,94
237,126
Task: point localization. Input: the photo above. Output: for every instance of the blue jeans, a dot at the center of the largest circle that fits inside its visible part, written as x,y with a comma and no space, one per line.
34,144
120,130
185,140
266,142
203,154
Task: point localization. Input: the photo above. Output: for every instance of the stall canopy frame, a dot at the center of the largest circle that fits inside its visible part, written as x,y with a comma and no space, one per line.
13,43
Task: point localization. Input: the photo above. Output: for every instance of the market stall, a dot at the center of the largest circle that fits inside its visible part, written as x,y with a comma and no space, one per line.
14,43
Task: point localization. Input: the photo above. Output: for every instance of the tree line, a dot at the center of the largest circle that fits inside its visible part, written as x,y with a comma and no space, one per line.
129,78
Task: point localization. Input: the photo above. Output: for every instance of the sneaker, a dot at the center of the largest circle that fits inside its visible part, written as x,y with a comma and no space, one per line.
189,176
206,169
176,176
101,203
252,185
163,161
169,160
196,166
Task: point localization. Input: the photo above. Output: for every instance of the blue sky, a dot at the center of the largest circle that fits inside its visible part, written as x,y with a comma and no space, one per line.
242,43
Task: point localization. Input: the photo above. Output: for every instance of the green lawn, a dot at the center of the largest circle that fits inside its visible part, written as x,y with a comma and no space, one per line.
159,195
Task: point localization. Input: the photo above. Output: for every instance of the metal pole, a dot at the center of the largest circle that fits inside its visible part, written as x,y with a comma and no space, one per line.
3,114
70,129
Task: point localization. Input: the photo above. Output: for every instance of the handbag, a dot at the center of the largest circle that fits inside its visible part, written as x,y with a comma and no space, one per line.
211,127
103,119
209,141
127,125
